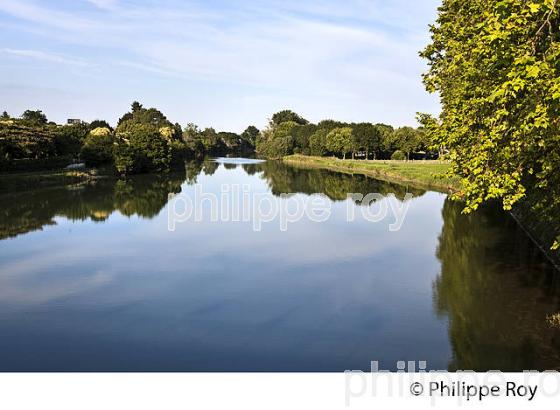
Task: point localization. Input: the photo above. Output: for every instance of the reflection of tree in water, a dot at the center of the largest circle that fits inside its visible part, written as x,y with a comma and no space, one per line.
252,169
496,290
286,179
209,167
144,196
192,171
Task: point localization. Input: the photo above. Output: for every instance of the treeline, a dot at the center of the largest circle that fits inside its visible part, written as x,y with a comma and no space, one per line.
288,133
144,140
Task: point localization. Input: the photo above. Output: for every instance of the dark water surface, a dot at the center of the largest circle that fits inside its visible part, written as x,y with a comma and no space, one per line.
91,279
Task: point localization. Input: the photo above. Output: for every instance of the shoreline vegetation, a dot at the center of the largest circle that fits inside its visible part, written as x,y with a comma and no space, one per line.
429,174
145,141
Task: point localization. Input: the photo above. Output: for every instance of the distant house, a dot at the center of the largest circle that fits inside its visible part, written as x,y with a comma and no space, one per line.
74,121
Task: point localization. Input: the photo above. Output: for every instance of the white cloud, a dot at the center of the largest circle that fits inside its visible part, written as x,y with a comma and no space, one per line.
323,57
43,56
104,4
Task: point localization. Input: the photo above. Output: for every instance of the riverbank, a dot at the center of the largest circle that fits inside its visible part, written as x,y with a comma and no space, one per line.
13,182
423,174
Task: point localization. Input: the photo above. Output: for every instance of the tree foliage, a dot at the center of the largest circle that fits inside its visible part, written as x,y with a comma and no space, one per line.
398,155
99,124
277,140
318,142
340,140
288,116
250,134
495,65
366,137
98,147
34,118
407,140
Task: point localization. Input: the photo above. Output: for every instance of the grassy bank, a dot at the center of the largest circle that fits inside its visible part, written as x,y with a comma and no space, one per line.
425,174
43,179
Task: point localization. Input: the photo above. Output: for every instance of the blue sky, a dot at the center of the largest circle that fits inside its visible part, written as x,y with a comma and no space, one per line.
220,63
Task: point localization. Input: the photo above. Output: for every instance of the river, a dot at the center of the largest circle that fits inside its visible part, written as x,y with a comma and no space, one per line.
92,278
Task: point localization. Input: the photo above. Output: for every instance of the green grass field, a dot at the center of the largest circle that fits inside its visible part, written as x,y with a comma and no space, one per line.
428,174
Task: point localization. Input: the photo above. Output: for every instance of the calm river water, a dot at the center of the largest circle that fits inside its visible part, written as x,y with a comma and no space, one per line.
92,279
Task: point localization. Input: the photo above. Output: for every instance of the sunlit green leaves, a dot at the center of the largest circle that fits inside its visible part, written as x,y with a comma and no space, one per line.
495,65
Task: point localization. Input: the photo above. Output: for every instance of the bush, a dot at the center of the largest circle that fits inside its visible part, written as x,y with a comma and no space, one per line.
128,160
98,147
69,139
142,148
154,147
398,155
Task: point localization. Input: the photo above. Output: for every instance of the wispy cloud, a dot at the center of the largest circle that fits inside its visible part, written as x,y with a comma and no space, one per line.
300,52
104,4
44,56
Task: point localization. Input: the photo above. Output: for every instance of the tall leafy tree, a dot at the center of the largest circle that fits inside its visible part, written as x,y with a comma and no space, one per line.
277,140
250,134
301,135
318,142
407,140
288,116
339,141
34,118
99,124
496,67
366,138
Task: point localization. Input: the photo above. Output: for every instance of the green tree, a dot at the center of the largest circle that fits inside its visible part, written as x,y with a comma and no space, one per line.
277,140
212,142
250,135
34,118
127,159
70,138
191,132
330,125
318,143
154,148
145,116
385,134
496,68
340,141
5,116
99,124
302,134
407,139
98,147
366,137
288,116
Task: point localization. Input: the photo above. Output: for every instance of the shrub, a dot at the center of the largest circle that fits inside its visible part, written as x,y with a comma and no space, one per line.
69,139
98,147
128,160
398,155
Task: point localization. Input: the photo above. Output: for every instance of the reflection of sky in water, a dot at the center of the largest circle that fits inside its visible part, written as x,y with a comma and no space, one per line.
238,161
127,294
